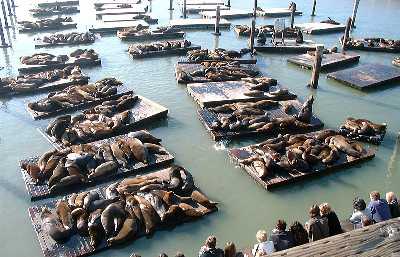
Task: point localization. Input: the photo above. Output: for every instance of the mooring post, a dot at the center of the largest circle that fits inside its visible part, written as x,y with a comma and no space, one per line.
3,39
255,9
217,19
313,8
3,8
170,4
293,10
9,8
229,3
353,16
346,34
252,35
316,66
184,9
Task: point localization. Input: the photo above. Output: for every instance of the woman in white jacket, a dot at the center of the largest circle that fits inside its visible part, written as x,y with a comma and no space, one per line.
264,247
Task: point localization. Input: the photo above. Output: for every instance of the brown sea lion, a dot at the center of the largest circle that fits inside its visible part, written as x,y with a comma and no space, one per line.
79,199
64,213
133,209
343,145
129,230
306,113
119,154
190,211
144,137
156,202
138,150
203,200
33,170
111,212
53,227
51,164
67,182
96,231
44,158
333,156
81,217
58,173
155,149
150,216
89,198
104,169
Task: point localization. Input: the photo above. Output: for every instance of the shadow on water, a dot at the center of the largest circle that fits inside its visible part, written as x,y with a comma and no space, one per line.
18,192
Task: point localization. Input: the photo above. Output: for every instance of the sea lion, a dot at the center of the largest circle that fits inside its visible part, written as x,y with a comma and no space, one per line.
59,172
138,150
51,164
81,217
111,190
305,113
44,158
111,212
323,134
341,143
150,216
89,198
104,169
107,153
100,204
67,182
173,215
155,149
190,211
119,154
96,231
129,229
33,170
144,137
156,202
79,199
333,156
71,199
64,213
133,209
203,200
53,227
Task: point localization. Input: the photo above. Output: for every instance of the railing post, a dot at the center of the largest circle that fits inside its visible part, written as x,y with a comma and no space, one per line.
346,34
3,8
252,35
2,38
170,4
217,19
255,9
229,3
293,10
316,66
313,8
184,9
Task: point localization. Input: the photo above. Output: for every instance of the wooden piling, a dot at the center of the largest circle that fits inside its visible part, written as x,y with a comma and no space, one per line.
255,9
316,67
171,5
184,9
252,35
293,11
346,34
2,38
3,8
229,3
353,16
217,19
9,8
313,8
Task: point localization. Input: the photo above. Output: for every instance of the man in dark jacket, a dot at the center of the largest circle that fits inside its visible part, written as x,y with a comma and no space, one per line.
282,239
378,207
209,248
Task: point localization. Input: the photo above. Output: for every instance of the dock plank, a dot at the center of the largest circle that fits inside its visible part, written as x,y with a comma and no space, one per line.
63,26
366,76
290,46
203,7
132,10
227,14
113,27
115,2
198,23
26,69
278,12
51,3
320,28
168,52
329,60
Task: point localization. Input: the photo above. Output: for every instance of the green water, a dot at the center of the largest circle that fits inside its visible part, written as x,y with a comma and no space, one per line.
244,206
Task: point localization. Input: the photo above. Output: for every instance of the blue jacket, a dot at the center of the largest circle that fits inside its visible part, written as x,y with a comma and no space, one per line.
379,210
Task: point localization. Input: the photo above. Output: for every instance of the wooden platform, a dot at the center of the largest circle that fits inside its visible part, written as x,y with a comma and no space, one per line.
320,28
396,61
371,48
44,115
204,7
51,3
106,2
278,12
41,191
63,26
48,87
169,52
227,14
113,27
203,2
137,10
55,12
208,117
290,46
285,178
77,245
184,60
218,93
25,69
366,76
198,24
128,17
41,44
191,67
329,61
144,112
152,36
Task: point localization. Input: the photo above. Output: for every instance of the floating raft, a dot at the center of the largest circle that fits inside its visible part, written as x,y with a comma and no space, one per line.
113,27
190,67
204,2
115,2
241,61
152,36
396,61
44,115
62,26
45,4
227,14
168,52
137,10
329,61
41,191
320,28
198,23
117,6
55,12
376,139
278,12
371,48
204,7
48,87
37,68
143,112
366,76
218,93
77,245
290,46
128,17
284,178
208,117
41,44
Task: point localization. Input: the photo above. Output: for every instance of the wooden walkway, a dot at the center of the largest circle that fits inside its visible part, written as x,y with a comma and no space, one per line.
329,61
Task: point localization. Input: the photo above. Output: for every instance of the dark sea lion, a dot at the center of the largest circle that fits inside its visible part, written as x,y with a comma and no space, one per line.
107,153
101,204
55,121
96,231
44,158
111,212
81,217
333,156
89,198
138,150
155,149
174,215
64,213
118,154
58,173
144,137
104,169
125,149
306,113
67,182
129,230
323,134
150,216
203,200
59,128
53,227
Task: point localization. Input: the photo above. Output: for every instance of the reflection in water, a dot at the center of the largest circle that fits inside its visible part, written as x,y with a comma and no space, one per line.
393,158
216,41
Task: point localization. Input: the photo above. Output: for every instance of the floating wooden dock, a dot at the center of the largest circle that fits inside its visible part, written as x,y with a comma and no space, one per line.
217,93
41,44
396,61
191,67
208,117
41,191
77,245
47,87
284,178
184,60
45,13
278,12
320,28
198,24
136,10
204,7
329,60
168,52
152,36
26,69
115,2
45,4
290,46
143,112
63,26
128,17
203,2
113,27
227,14
84,105
369,48
367,76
